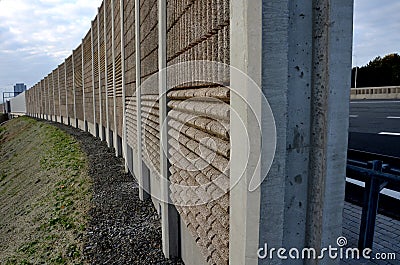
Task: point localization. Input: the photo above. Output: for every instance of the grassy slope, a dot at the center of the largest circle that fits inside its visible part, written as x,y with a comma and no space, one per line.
44,194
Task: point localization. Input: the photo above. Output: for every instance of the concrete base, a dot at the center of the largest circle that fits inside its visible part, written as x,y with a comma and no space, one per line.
190,251
58,119
129,158
154,190
144,175
110,138
91,128
119,146
80,125
66,121
97,130
103,135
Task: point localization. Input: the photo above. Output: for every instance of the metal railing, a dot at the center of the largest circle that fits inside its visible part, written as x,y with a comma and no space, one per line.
377,175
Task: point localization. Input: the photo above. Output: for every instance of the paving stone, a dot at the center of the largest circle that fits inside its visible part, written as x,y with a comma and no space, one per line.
386,238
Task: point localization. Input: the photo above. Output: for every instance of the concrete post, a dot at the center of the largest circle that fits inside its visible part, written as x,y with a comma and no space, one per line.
66,94
83,87
102,137
117,152
41,99
73,88
141,176
124,142
170,218
54,105
106,75
40,96
48,99
46,103
244,205
36,101
305,67
59,94
96,130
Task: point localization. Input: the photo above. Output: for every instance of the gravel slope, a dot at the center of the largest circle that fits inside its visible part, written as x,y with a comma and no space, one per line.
122,229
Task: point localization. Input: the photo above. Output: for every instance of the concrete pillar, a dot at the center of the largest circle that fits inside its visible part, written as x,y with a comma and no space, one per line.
48,98
66,93
40,96
304,73
142,178
102,137
96,129
244,205
40,90
73,90
115,128
83,87
59,94
54,105
108,136
170,221
124,141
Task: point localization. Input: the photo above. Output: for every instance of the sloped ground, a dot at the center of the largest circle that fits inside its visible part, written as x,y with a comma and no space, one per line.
44,194
110,224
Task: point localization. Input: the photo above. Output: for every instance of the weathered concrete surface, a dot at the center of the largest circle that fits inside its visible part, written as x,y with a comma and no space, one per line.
306,80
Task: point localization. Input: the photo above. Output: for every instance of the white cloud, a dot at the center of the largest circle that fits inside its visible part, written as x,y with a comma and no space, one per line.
37,35
376,29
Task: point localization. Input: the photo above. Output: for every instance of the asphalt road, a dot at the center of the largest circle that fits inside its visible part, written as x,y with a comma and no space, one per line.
375,126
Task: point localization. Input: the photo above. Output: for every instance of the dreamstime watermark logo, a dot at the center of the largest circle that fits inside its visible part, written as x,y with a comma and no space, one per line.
339,251
199,126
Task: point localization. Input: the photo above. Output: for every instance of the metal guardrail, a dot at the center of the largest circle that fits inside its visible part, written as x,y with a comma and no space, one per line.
376,176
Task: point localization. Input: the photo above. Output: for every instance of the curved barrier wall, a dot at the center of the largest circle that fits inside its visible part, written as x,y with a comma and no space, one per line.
175,129
98,89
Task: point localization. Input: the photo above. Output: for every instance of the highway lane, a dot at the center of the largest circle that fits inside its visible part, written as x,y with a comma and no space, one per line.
375,126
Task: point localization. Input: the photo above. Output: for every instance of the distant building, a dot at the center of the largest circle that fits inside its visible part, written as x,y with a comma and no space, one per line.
19,88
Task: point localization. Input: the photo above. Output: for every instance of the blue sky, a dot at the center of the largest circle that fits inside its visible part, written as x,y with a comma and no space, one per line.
37,35
376,29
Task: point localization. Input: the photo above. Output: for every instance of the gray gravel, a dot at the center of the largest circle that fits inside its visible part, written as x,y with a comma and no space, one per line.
122,229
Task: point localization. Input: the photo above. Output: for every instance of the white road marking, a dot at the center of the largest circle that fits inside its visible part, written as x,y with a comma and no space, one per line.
392,117
391,193
374,102
390,133
353,116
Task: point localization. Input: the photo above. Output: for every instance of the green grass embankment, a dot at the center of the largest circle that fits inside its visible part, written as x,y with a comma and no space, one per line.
44,194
